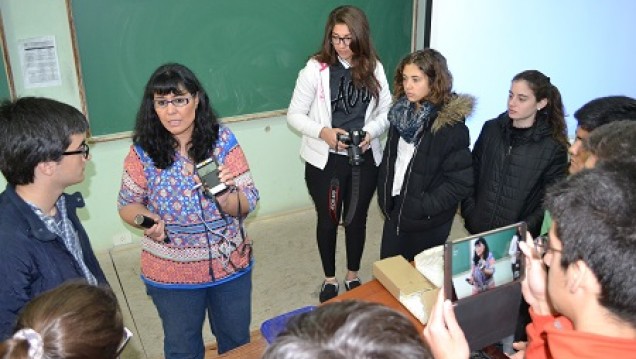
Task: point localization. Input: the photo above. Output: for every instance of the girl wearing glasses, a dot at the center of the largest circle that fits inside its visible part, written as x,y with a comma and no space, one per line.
482,267
196,258
342,88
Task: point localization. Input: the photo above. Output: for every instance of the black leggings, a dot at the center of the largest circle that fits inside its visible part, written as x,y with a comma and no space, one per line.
318,183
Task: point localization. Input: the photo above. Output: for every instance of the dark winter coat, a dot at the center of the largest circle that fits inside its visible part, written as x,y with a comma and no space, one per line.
34,260
511,178
438,176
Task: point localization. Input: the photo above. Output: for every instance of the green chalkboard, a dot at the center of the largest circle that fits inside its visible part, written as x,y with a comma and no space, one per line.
5,83
247,53
5,93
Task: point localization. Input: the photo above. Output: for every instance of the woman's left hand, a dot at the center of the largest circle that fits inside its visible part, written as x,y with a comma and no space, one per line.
226,176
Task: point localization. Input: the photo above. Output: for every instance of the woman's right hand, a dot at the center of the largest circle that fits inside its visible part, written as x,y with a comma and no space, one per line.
330,135
157,232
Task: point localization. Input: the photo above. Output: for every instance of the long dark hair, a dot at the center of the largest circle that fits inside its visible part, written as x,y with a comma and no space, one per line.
364,57
553,112
154,138
485,253
433,64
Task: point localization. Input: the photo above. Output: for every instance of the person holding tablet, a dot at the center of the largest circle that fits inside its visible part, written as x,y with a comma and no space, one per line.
579,283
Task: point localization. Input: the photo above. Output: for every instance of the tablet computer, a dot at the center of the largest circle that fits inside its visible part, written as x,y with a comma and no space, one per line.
482,277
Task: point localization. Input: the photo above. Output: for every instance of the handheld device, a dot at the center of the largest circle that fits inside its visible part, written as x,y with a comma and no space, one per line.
144,221
353,138
147,222
483,261
480,280
208,173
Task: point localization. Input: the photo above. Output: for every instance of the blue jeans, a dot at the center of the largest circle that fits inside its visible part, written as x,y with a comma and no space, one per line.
182,312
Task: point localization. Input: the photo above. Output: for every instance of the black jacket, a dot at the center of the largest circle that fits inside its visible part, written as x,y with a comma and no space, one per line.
438,176
511,177
34,260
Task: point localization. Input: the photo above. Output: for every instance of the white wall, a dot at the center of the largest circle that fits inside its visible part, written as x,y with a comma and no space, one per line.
586,47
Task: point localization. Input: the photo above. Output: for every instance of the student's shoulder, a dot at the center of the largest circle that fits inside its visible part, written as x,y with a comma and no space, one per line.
10,218
14,239
313,65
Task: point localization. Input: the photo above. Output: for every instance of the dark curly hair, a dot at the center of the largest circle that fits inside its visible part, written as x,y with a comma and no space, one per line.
154,138
433,64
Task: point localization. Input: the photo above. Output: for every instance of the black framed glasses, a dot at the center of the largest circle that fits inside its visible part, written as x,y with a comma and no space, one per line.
124,341
542,246
177,102
335,39
84,150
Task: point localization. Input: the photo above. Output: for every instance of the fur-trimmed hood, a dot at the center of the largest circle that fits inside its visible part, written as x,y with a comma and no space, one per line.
456,110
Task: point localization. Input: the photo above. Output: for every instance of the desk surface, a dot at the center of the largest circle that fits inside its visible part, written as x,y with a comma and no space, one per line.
371,291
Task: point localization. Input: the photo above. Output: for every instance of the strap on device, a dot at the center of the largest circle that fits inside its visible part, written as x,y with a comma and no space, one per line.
334,198
355,194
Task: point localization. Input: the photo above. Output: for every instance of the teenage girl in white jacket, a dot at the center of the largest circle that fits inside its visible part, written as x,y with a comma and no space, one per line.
342,88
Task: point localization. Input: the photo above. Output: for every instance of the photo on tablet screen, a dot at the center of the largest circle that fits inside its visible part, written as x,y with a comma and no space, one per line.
487,260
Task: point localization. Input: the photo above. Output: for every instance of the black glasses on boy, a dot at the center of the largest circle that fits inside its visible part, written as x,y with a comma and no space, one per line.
83,150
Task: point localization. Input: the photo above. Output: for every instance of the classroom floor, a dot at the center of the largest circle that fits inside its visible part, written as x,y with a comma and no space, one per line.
287,275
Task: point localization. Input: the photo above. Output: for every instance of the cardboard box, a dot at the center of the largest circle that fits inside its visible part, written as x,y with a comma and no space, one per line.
407,285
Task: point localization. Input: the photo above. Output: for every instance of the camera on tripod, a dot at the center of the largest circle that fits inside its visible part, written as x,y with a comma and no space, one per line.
353,139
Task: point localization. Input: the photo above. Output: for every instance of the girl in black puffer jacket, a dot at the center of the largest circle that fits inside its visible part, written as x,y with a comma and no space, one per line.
517,156
426,167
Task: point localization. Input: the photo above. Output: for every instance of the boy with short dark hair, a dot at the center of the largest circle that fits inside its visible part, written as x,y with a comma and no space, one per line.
43,150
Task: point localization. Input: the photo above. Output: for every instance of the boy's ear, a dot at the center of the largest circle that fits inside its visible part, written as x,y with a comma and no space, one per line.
46,168
580,276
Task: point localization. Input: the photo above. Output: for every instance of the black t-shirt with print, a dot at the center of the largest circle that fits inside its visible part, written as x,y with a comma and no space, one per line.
348,103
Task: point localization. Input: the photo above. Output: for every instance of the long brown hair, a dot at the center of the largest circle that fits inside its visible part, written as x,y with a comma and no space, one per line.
553,112
75,320
364,58
433,65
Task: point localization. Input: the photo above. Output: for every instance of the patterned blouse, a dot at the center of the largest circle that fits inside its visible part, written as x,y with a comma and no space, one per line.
206,247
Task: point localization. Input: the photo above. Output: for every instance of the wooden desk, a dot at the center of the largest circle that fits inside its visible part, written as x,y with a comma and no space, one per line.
371,291
375,292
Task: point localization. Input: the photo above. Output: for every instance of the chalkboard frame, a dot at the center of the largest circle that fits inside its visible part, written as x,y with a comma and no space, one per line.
102,135
6,63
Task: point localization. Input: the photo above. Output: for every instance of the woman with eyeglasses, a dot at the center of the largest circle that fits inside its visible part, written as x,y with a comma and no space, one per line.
341,92
196,258
74,320
482,267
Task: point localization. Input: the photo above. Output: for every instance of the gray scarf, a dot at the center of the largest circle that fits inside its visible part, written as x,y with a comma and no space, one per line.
408,120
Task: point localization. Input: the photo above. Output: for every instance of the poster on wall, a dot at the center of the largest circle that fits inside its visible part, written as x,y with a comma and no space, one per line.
40,63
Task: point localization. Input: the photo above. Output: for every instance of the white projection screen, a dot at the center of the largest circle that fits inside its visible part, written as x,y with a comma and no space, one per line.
586,47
